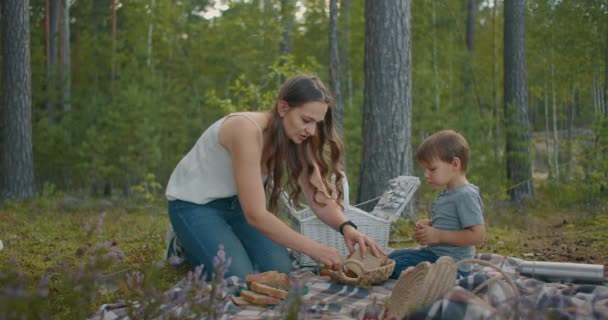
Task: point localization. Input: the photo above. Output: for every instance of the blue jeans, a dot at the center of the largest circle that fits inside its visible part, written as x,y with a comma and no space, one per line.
202,228
406,258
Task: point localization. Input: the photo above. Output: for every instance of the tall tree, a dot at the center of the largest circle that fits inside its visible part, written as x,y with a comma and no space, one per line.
519,164
344,47
334,64
387,109
606,75
287,16
52,69
66,78
17,155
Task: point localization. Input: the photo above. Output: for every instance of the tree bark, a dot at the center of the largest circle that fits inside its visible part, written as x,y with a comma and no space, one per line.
344,47
287,16
547,144
606,77
150,32
66,78
495,94
435,62
52,68
387,112
113,71
17,154
519,165
334,65
555,132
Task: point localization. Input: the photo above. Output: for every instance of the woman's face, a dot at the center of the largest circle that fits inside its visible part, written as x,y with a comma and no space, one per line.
300,122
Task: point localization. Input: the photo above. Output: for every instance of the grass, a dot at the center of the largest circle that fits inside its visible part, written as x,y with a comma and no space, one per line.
49,241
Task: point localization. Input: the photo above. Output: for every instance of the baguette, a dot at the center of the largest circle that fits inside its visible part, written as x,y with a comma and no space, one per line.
258,298
269,290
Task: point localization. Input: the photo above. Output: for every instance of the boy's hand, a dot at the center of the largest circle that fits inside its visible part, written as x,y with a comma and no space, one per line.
423,222
425,234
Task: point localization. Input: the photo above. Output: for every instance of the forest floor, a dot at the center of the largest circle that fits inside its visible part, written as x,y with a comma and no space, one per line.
540,234
51,237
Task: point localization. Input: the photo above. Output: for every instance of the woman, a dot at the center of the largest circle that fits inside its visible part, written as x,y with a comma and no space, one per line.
217,193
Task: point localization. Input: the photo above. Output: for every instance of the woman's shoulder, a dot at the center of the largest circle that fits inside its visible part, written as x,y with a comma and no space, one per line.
242,126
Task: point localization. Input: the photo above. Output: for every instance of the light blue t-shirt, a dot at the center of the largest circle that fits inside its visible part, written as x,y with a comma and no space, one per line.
455,210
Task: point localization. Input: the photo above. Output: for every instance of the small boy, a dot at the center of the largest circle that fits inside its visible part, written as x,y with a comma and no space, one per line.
456,224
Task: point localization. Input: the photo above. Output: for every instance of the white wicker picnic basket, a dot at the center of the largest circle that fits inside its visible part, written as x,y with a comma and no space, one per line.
378,228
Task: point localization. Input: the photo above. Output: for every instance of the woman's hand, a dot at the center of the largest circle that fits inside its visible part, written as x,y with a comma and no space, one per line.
327,255
353,236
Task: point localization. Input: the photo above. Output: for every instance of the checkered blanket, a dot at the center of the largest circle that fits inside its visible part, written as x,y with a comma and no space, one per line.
314,297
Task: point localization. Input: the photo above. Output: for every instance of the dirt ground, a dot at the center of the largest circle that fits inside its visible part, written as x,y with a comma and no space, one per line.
556,240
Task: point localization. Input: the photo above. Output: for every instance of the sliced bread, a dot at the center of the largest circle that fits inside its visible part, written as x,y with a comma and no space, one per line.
258,298
269,290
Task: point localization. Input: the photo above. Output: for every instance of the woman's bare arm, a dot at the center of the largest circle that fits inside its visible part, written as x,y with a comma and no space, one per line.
243,141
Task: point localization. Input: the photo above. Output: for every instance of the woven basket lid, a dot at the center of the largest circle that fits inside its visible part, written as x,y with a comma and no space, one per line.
421,285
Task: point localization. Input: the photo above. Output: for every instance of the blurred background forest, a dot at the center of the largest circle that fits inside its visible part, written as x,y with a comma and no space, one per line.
120,90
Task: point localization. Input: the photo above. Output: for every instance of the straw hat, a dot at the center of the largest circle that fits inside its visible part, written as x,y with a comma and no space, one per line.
421,285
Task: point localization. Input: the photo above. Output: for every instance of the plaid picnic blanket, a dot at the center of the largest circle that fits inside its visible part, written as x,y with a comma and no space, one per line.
320,299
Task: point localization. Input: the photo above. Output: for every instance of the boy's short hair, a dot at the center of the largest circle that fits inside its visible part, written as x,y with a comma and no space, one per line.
444,145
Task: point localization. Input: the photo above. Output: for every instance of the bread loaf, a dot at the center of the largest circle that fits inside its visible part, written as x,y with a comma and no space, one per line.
369,262
258,298
269,290
270,278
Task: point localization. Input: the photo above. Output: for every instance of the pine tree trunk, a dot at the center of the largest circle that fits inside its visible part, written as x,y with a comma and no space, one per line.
344,32
113,71
571,110
606,77
495,94
334,65
150,33
547,144
555,132
65,55
287,15
387,112
17,154
436,79
52,68
519,166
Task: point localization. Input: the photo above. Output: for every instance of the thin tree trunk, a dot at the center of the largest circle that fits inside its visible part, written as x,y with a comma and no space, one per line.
546,103
470,43
150,32
436,79
65,55
594,93
495,78
334,65
387,112
113,74
555,132
606,77
17,153
344,32
52,65
519,166
287,15
571,110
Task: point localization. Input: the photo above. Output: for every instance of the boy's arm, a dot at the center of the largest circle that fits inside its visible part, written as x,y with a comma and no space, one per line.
469,236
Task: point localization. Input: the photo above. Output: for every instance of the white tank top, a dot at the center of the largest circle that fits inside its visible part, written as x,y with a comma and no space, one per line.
205,173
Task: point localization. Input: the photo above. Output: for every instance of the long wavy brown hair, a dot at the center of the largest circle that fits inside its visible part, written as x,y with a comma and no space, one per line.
284,160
